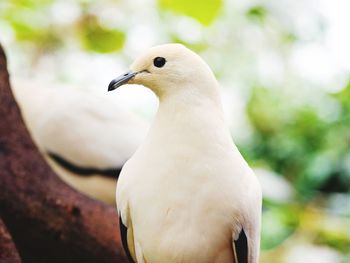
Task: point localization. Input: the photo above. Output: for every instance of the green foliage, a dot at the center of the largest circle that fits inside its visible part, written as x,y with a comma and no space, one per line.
343,97
45,38
288,37
294,140
31,23
334,238
204,11
278,223
31,4
97,38
257,13
29,20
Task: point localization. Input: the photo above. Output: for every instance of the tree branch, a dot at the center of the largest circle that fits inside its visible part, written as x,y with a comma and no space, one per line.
48,220
8,251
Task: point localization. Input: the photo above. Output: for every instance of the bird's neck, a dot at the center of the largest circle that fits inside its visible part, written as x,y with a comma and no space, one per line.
188,116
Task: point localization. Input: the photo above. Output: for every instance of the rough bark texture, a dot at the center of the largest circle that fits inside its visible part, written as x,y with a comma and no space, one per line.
49,221
8,251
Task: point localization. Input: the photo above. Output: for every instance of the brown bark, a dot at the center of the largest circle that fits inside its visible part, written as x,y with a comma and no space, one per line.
48,220
8,251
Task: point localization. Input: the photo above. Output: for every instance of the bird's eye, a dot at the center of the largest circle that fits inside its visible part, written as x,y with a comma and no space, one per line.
159,62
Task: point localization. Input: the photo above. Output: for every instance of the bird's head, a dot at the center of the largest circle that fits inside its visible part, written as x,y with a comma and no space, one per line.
167,69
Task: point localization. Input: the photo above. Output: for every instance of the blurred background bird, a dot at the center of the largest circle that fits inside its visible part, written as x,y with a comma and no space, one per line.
85,137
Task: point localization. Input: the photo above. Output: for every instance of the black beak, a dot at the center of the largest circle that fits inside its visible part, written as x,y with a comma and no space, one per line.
121,80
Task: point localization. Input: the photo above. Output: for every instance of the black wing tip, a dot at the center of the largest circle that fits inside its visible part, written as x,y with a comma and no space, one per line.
124,237
241,247
83,171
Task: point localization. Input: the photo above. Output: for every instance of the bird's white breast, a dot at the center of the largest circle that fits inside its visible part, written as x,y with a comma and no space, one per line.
186,188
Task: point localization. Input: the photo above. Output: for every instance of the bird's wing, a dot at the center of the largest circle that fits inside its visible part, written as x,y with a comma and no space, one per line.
246,241
240,248
112,172
62,118
127,236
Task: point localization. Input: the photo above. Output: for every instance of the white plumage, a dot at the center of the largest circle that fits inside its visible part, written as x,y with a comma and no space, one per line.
186,195
83,128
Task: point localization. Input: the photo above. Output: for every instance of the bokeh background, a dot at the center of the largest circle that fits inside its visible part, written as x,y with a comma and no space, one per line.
284,68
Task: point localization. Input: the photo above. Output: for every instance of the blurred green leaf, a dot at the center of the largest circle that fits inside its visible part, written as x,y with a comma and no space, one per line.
99,39
288,38
30,3
319,169
337,239
262,109
296,142
278,223
343,97
29,23
204,11
257,13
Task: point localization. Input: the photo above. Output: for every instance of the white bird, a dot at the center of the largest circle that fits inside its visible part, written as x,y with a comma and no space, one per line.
85,137
186,195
